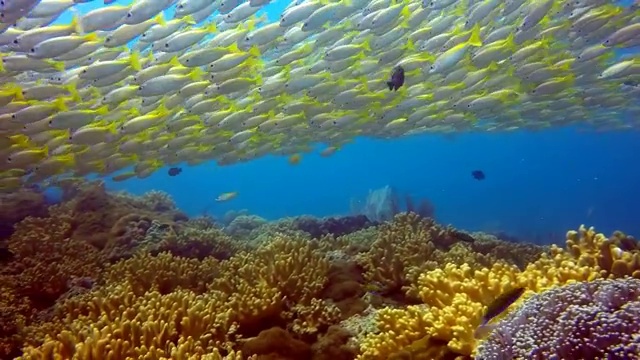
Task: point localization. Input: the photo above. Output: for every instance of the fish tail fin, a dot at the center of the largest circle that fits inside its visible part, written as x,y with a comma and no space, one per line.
390,85
483,331
75,24
474,39
134,60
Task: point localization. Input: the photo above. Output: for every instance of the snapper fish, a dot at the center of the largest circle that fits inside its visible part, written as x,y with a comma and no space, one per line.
120,87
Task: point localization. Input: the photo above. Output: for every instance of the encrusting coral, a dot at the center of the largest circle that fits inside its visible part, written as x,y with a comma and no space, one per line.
583,320
142,281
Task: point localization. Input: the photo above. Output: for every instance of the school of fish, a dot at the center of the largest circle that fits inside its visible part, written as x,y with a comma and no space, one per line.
122,90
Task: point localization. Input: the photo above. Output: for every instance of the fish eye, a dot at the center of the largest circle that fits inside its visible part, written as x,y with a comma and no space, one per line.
15,41
166,45
13,116
180,6
33,49
129,15
140,87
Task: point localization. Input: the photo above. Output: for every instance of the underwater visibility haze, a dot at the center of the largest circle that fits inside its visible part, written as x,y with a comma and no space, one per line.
319,179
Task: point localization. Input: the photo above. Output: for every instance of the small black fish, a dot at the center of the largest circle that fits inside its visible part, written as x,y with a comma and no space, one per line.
631,83
478,174
174,171
397,78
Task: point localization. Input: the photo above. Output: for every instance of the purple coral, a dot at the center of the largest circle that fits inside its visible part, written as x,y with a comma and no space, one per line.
587,320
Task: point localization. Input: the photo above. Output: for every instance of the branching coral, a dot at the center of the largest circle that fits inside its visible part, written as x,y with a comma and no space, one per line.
163,273
242,225
45,264
584,320
616,257
156,307
400,245
201,243
186,290
47,259
519,254
336,226
158,201
455,297
408,246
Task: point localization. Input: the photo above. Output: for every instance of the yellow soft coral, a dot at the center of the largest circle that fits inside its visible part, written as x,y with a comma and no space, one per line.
455,298
594,249
163,306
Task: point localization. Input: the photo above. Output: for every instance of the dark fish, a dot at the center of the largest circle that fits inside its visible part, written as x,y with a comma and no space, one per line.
631,83
478,174
462,236
497,307
174,171
501,303
397,78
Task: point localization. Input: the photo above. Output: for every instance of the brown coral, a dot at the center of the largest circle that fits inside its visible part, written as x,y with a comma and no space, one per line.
47,258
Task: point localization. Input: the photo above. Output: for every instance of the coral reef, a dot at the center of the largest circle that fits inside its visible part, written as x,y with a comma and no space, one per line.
17,206
242,225
117,276
584,320
336,226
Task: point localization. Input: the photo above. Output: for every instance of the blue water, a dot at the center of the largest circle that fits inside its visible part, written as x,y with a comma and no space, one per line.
538,184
